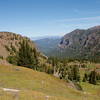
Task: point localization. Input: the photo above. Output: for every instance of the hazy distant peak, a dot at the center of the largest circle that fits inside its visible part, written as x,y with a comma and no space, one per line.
45,37
95,28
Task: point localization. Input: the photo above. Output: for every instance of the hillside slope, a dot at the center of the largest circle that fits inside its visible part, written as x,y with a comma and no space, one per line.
35,85
46,45
10,43
80,43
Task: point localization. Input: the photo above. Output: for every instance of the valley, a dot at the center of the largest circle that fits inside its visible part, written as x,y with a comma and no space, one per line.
49,49
32,70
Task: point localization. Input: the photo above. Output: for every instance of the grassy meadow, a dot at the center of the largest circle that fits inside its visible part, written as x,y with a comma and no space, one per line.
35,85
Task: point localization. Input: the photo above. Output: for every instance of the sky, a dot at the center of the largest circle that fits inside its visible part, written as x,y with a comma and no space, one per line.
35,18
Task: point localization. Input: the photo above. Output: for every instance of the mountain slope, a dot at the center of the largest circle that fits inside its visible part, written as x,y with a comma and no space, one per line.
81,43
10,43
35,85
48,44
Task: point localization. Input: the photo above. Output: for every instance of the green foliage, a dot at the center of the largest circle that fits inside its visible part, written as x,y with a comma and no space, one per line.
46,68
27,55
78,86
98,77
35,56
16,37
13,48
85,78
7,48
64,70
73,73
92,77
12,59
63,74
1,57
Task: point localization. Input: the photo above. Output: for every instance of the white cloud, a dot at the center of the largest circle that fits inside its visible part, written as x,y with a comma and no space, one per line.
79,19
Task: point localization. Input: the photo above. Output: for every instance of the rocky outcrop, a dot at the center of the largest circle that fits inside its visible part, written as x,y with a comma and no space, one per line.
81,42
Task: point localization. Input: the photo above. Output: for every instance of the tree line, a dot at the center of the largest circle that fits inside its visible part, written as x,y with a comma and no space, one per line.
28,57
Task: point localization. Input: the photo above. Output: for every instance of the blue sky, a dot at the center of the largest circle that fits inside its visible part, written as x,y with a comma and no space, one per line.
34,18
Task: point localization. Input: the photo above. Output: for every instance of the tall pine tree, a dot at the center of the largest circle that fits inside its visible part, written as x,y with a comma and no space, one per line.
26,56
93,77
73,73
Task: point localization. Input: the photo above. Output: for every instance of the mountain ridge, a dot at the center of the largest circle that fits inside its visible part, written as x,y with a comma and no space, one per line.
79,44
10,44
46,45
84,42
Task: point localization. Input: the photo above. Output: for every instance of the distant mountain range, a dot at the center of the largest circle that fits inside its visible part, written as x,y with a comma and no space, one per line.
47,44
44,37
79,43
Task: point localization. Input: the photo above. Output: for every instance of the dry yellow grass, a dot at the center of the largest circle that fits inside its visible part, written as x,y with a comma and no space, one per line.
35,85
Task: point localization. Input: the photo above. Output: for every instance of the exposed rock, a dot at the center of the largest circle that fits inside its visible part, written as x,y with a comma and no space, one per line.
81,42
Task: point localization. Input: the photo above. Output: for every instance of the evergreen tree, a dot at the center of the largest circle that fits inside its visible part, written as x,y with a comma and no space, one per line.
85,78
73,73
76,73
26,55
98,77
36,62
93,77
70,75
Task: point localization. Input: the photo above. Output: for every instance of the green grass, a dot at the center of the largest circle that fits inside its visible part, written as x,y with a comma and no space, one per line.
35,85
90,88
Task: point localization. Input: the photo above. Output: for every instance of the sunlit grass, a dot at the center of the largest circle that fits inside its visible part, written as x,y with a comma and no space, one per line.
35,85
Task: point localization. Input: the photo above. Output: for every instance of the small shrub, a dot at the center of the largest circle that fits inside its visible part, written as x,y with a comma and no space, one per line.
1,57
78,86
13,48
85,78
92,77
12,59
7,48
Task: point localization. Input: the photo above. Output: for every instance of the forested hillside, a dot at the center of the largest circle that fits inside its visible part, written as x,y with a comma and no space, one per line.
48,44
80,44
